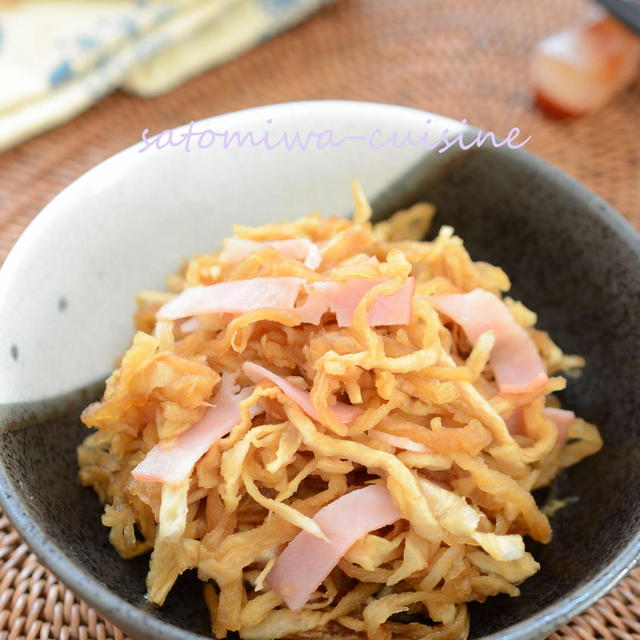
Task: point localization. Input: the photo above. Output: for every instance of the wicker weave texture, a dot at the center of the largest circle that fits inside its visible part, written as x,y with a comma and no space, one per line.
463,58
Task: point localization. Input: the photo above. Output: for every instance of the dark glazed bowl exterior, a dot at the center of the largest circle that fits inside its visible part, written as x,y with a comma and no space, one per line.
572,259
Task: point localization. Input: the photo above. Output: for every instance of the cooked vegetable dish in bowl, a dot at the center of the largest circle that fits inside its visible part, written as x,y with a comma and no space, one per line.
339,426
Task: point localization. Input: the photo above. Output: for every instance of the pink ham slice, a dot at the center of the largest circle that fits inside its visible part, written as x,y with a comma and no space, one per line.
399,442
343,412
236,296
342,298
302,249
307,560
240,296
516,362
172,466
561,418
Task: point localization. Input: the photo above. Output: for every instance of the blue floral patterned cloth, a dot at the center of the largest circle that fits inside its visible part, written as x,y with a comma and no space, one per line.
57,57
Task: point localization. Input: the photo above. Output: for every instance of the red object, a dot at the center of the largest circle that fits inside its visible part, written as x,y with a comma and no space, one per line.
578,70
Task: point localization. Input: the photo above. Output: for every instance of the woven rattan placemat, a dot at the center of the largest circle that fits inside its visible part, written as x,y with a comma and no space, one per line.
463,58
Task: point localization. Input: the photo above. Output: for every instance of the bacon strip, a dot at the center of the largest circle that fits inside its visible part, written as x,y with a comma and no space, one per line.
344,412
172,466
399,442
240,296
561,418
516,362
302,249
236,296
342,298
307,560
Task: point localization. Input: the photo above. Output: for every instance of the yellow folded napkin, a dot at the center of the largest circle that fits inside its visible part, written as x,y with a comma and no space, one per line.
57,57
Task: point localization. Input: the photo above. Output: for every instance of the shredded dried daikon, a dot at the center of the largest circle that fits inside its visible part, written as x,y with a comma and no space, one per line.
412,408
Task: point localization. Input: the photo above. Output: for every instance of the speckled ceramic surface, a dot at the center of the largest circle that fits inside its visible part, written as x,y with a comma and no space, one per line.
66,298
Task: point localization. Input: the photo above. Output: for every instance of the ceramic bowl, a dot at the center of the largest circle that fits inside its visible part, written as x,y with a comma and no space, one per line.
67,298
